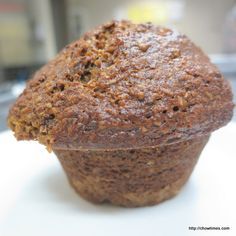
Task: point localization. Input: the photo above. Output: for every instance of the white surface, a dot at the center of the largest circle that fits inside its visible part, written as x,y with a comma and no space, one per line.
36,199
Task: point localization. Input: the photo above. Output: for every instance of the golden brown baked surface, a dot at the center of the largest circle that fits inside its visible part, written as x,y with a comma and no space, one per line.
123,85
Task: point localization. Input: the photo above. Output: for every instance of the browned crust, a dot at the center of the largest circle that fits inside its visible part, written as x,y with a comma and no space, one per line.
123,86
136,177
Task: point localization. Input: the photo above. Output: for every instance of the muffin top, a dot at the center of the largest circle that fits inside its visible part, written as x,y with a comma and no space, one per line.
120,86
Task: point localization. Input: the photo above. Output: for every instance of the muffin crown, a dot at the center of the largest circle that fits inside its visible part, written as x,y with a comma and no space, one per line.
120,86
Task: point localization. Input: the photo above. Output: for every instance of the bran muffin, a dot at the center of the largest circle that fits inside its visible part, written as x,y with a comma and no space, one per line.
127,109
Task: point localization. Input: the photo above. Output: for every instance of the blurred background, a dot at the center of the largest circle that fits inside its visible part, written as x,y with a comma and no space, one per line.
32,32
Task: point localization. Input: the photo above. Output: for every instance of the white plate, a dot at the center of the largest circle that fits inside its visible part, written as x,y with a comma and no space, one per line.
36,199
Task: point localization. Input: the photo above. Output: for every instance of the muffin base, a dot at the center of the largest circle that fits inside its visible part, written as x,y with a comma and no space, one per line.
133,177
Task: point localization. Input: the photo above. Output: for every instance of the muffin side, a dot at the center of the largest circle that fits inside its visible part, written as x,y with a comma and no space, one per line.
131,178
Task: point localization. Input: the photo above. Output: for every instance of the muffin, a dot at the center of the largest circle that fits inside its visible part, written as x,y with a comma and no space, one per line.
127,109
